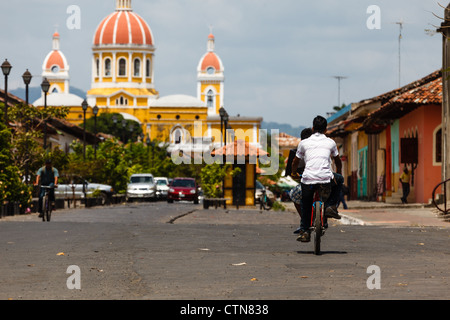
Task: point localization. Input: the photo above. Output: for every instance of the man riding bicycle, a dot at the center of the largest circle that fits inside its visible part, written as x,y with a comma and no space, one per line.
317,152
46,176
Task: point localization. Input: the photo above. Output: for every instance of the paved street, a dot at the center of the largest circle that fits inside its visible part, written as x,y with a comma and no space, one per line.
180,251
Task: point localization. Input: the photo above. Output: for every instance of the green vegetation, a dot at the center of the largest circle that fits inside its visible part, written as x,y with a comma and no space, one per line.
112,163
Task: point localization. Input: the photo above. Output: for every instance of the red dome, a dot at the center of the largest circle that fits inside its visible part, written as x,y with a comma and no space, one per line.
123,27
211,60
55,59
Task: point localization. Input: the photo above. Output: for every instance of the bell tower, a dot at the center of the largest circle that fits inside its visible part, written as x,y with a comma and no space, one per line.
210,77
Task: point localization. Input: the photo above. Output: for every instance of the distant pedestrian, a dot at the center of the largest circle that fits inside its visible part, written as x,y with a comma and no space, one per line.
404,180
344,192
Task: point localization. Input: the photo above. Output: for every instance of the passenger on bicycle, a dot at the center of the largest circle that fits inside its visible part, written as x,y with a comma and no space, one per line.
296,193
46,176
317,152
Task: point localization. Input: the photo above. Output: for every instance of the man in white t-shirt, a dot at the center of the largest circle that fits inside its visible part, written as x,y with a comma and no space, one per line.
317,151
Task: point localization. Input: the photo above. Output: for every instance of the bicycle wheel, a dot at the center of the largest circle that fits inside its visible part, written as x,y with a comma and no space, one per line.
317,226
44,211
49,211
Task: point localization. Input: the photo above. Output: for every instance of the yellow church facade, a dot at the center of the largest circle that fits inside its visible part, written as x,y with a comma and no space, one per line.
122,81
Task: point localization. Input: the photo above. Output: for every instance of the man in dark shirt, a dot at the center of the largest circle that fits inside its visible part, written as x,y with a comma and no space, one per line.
46,176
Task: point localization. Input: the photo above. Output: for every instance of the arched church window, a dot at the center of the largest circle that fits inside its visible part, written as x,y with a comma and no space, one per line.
137,67
177,135
210,99
121,101
122,67
107,67
147,68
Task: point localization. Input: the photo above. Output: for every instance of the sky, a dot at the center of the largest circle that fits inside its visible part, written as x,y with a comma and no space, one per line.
280,57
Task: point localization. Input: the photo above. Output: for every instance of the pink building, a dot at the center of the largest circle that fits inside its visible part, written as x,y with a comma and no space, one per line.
381,135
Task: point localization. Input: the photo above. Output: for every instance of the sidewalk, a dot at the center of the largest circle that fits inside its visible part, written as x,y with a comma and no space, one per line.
380,213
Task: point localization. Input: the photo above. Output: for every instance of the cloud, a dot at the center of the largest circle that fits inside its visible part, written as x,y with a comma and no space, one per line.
280,56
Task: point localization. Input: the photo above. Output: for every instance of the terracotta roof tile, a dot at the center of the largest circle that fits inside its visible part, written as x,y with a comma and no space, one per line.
240,148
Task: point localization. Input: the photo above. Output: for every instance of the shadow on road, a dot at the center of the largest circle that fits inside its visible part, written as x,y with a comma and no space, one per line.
322,252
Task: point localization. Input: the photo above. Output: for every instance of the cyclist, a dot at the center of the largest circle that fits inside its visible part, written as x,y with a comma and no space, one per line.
317,152
46,176
296,193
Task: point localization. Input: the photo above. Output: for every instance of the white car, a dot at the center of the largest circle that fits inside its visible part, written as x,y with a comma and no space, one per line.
76,187
162,187
141,186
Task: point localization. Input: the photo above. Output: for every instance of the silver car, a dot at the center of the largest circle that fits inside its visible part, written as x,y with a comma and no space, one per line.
76,187
141,186
162,187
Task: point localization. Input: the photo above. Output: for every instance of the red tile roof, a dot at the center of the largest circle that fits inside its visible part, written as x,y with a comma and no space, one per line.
240,148
425,91
285,140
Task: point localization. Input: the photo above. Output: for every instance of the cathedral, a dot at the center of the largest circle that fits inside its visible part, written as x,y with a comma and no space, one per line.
122,81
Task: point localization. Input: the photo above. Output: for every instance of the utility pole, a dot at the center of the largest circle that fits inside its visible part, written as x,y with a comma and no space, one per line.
339,78
400,23
445,30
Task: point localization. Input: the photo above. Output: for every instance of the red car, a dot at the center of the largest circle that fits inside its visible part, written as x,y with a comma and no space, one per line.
183,189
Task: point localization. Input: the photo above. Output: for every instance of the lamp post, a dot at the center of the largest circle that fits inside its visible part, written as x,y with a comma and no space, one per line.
84,105
124,124
225,121
131,128
147,142
95,110
222,114
45,86
27,80
6,69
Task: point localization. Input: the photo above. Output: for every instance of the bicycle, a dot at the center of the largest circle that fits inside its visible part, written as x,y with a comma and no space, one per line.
317,218
264,201
317,221
47,206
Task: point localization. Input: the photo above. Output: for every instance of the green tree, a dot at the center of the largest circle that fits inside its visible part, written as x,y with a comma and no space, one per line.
11,187
212,176
106,124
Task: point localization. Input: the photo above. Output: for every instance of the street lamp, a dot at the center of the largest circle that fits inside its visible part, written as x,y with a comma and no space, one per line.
6,69
45,86
27,80
148,142
222,114
124,124
225,121
84,106
131,128
95,110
